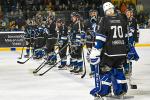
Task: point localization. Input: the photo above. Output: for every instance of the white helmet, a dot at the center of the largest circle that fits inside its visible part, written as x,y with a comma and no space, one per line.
107,6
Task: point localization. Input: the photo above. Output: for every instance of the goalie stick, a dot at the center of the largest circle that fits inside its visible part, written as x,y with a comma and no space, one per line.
132,86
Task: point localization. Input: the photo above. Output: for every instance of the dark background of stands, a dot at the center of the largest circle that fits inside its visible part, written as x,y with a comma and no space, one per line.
14,14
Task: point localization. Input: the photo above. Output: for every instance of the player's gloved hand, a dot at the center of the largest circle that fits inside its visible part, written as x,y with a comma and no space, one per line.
95,56
39,53
132,54
60,42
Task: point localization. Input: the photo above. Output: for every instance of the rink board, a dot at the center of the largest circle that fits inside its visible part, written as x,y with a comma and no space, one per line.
144,40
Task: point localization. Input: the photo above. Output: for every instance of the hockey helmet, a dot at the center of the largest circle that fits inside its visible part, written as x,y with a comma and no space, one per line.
74,14
93,11
107,6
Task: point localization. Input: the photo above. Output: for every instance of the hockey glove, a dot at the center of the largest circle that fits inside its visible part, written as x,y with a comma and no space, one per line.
132,54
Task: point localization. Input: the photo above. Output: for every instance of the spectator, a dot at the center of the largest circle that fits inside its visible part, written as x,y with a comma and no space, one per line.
1,13
123,7
139,7
148,26
50,7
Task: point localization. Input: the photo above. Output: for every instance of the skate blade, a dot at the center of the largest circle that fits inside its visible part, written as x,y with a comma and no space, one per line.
62,68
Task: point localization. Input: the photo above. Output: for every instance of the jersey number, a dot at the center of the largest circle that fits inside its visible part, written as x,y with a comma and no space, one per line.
117,30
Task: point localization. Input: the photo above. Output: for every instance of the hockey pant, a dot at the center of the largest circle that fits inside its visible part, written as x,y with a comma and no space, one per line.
50,49
39,51
76,56
39,42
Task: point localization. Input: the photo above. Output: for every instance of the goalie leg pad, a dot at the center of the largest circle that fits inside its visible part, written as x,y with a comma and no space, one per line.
119,82
92,68
102,83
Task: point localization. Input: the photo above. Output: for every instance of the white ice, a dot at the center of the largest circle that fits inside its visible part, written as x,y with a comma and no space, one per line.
18,83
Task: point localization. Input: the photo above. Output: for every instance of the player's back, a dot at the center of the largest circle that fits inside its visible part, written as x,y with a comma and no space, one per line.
115,30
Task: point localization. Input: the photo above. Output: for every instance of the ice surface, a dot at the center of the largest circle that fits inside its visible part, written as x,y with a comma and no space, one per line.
18,83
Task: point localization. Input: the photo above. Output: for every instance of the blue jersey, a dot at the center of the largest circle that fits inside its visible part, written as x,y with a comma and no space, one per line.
30,32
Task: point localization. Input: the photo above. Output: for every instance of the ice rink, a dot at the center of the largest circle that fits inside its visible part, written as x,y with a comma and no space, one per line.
18,83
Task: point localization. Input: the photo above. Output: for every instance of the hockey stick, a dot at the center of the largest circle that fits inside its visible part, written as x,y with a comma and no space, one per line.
82,53
45,62
38,68
52,66
25,60
132,86
84,66
21,53
22,49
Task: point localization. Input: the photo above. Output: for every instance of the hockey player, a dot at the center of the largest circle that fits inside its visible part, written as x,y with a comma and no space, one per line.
109,54
62,41
90,27
76,56
132,33
51,40
29,38
40,41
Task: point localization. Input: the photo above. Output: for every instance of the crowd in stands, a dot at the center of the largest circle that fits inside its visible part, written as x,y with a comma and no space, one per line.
15,14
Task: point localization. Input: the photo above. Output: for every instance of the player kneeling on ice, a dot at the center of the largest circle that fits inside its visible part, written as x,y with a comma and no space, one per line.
109,54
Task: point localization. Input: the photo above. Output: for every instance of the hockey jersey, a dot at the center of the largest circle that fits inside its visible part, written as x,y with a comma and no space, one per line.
113,32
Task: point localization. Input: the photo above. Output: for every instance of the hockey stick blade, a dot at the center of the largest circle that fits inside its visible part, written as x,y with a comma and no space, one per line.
40,74
83,75
25,60
35,71
20,62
